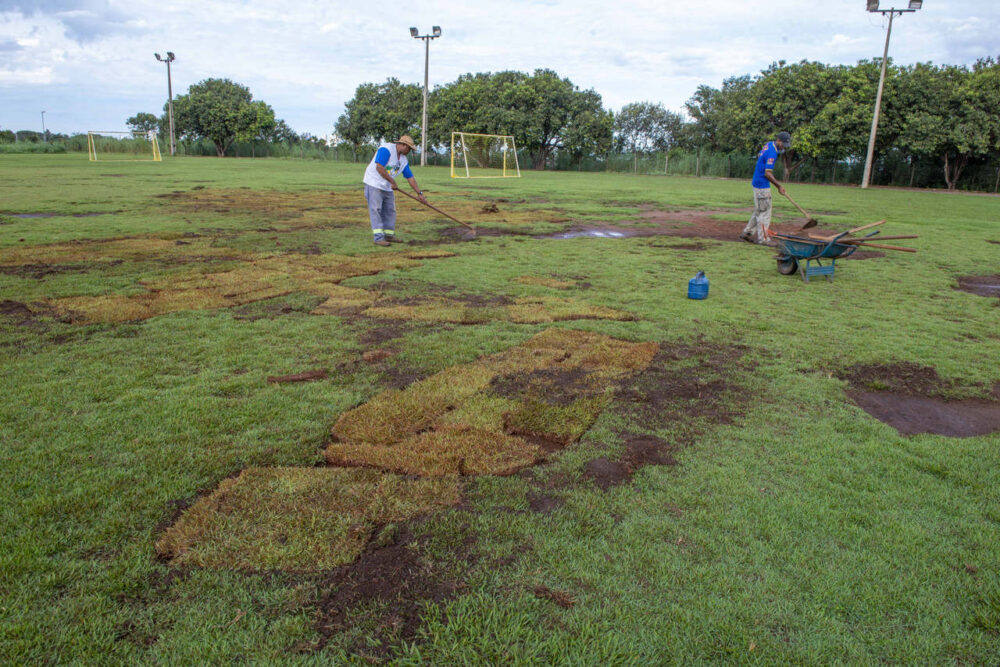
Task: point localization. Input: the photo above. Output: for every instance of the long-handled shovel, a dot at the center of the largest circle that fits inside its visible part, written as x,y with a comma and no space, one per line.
851,231
810,221
472,230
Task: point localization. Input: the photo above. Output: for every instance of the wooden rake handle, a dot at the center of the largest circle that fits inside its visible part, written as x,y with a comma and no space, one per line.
431,206
801,210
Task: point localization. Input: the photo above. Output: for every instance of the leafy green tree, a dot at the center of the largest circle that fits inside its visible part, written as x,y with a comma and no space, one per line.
221,111
718,116
143,122
641,127
543,112
7,137
381,111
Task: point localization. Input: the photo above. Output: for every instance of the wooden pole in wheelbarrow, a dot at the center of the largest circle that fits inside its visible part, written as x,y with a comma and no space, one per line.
447,215
851,231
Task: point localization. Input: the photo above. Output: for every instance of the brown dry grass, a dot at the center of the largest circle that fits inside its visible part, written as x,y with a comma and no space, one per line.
527,310
297,518
455,421
254,280
448,450
139,248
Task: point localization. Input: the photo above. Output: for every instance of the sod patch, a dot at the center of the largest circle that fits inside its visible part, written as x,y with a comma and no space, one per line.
474,419
297,518
263,277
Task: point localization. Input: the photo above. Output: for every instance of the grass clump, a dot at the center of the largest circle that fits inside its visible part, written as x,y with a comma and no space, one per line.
297,518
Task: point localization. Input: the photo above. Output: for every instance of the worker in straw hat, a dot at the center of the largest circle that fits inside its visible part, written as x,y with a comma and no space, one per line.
380,180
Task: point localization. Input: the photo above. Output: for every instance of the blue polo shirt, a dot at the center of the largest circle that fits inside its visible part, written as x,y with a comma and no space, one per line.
382,158
765,160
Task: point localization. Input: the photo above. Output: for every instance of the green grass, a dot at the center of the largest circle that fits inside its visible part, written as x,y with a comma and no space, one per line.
805,531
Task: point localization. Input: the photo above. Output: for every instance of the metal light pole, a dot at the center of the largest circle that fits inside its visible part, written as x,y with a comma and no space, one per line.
873,8
44,140
170,97
435,33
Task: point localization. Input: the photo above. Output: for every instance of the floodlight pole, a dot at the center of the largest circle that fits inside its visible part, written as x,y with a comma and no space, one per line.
436,32
44,139
873,8
170,98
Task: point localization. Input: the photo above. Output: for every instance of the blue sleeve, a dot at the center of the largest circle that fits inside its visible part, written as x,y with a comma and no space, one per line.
770,155
406,171
382,156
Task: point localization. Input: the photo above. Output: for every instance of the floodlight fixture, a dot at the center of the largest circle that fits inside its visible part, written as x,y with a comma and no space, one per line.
914,5
415,34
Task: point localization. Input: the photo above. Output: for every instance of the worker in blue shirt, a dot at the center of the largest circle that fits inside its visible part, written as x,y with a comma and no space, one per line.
757,229
380,180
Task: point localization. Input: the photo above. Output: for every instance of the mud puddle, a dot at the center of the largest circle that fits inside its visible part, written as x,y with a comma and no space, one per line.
981,285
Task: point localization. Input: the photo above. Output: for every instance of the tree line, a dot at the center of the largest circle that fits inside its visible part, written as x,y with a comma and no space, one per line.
942,115
940,120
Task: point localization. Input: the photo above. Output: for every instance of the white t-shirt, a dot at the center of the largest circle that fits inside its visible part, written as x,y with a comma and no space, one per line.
396,165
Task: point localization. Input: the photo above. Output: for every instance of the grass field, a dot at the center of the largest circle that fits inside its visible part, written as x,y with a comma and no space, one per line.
556,456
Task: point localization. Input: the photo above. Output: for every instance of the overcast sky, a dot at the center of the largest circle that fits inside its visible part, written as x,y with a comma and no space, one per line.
89,63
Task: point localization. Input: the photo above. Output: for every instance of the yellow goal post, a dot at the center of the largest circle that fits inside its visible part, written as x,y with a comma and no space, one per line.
476,155
119,146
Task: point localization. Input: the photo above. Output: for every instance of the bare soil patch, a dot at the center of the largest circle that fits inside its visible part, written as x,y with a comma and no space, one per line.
911,415
687,387
607,473
554,386
386,590
306,376
902,377
915,399
981,285
15,309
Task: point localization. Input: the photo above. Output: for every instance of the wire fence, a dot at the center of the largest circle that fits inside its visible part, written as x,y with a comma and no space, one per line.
892,168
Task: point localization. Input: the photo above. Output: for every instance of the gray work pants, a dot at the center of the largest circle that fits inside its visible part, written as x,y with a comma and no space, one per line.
381,211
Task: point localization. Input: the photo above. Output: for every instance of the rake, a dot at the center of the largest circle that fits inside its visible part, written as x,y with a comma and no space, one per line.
472,230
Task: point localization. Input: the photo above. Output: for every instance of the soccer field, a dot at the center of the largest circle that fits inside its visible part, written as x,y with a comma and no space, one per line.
233,429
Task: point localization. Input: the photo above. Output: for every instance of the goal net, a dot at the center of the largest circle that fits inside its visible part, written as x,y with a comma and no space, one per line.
134,146
483,156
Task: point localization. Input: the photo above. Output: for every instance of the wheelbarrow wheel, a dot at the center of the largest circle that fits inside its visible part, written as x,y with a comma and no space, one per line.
787,266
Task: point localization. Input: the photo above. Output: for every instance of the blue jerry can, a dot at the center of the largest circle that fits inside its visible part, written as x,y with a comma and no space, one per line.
698,286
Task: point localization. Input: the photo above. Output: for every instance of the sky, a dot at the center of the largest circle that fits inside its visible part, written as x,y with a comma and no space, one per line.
89,64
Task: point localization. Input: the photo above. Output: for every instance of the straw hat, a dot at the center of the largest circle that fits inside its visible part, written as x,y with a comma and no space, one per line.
408,140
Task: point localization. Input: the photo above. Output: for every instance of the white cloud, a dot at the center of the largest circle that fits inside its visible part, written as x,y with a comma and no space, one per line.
307,58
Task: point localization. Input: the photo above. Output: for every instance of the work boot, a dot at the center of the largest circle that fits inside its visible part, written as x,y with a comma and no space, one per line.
393,239
382,243
746,237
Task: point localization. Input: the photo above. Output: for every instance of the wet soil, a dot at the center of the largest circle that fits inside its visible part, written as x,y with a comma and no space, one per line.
607,473
981,285
307,376
911,415
40,271
553,386
15,309
401,578
901,378
915,399
685,387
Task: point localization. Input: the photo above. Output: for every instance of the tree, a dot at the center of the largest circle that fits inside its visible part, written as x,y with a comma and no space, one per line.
143,123
221,111
543,112
641,127
381,111
718,116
